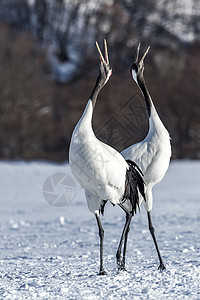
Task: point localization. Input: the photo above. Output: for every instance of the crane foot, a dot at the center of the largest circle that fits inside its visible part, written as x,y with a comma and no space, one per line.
161,267
103,272
122,267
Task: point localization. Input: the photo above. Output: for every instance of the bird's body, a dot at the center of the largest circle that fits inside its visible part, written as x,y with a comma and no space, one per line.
152,155
101,170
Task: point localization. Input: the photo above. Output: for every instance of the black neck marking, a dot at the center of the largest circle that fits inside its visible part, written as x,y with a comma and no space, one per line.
98,86
146,94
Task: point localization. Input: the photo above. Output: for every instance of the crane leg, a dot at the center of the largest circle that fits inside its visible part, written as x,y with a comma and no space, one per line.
101,235
124,237
152,231
125,246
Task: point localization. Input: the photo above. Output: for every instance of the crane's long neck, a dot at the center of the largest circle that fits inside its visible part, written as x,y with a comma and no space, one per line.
156,126
98,86
84,125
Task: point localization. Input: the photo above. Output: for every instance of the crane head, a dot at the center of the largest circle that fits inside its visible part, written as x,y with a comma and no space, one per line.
137,68
105,70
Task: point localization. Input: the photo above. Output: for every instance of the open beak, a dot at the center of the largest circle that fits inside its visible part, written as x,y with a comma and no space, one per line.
137,54
106,60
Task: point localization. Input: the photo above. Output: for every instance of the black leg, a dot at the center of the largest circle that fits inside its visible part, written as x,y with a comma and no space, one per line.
125,246
121,264
101,235
152,231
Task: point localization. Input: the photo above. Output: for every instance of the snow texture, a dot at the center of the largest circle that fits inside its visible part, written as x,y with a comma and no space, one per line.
53,253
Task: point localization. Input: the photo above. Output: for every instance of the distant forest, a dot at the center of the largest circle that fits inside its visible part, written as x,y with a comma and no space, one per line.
49,65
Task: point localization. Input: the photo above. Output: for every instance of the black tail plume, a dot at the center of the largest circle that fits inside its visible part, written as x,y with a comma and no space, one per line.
134,183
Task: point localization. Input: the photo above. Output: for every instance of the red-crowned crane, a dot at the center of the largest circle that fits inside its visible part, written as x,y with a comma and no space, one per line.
101,170
152,155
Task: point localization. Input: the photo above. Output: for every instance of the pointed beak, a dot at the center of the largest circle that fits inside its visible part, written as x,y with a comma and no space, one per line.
100,54
106,51
106,60
143,57
137,53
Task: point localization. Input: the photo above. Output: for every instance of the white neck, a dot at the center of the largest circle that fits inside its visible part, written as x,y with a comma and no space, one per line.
156,127
84,125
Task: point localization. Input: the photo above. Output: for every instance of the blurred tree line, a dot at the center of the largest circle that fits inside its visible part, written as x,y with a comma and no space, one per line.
49,65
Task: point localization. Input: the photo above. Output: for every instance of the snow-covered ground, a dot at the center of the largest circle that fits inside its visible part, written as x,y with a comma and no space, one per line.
49,252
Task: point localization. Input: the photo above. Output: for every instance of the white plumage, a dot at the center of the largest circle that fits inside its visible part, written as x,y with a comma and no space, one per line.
101,170
152,154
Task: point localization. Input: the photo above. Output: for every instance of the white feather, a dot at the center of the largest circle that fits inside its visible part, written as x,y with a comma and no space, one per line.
99,168
152,155
134,75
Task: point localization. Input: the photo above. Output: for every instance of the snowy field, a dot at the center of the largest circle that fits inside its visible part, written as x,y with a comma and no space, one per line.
48,252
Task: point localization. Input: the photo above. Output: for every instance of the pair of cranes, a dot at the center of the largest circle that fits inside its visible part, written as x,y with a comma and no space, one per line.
125,178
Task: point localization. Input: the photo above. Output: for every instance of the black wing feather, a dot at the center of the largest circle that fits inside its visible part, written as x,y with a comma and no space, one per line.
134,183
